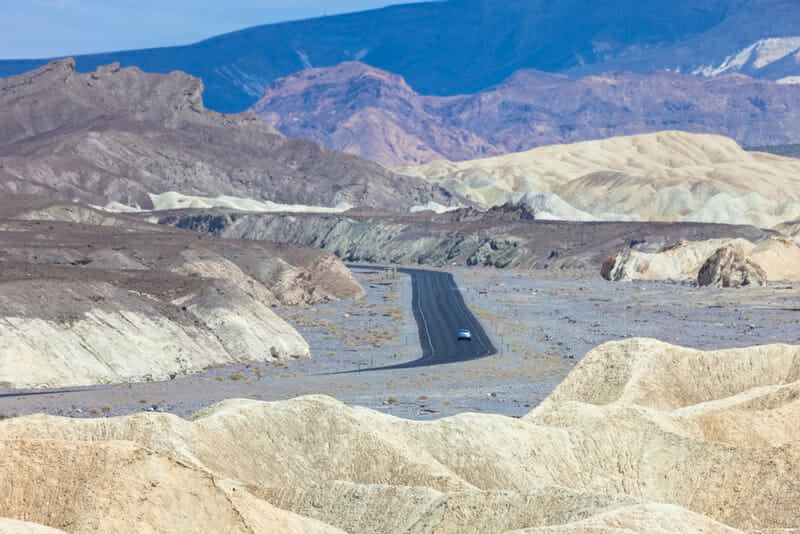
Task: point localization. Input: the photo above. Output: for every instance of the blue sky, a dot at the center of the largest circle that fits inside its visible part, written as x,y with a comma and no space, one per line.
48,28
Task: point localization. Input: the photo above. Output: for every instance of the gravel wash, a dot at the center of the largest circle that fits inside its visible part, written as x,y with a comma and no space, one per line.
542,321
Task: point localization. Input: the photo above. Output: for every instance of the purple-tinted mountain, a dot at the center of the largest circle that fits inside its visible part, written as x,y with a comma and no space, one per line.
361,110
358,109
465,46
120,135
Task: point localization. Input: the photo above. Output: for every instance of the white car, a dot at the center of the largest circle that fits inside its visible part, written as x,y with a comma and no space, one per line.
464,334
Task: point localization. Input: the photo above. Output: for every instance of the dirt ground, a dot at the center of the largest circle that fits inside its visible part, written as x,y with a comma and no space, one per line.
544,321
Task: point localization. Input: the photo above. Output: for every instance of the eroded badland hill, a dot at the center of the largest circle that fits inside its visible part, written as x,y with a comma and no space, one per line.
641,435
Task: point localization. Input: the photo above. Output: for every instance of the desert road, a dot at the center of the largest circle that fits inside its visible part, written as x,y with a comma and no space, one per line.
440,312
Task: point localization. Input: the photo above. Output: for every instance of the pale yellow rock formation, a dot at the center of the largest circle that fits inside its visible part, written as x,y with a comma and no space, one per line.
117,486
779,257
641,435
648,517
680,261
664,176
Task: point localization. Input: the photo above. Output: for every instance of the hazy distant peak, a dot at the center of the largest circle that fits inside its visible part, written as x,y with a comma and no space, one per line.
758,55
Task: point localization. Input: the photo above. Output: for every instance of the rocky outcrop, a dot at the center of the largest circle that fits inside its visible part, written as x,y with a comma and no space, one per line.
641,434
680,260
611,269
497,252
728,267
777,258
119,135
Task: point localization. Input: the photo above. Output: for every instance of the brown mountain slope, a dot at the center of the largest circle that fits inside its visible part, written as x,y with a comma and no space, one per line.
362,110
121,135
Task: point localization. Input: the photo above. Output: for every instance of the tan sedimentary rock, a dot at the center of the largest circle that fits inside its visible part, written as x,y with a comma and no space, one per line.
118,486
679,261
640,435
779,257
13,526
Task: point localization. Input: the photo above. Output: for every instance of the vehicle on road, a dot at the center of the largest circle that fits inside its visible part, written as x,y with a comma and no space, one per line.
464,334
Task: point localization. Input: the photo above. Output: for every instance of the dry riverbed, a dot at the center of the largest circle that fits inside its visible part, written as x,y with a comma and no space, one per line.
543,322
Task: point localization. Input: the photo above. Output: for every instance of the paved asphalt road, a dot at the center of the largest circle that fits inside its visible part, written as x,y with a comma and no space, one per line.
440,313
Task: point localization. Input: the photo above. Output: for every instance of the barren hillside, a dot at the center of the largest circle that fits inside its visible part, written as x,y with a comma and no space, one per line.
121,135
94,298
503,236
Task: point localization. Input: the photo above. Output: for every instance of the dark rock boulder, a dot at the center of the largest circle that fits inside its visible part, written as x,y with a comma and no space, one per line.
728,267
613,266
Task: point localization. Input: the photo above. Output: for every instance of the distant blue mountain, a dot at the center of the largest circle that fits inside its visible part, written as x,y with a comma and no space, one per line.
463,46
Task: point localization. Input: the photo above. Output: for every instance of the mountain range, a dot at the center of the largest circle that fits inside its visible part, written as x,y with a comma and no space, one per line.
359,109
466,46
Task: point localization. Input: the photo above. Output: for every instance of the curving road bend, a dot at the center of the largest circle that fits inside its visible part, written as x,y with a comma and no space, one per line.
440,311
